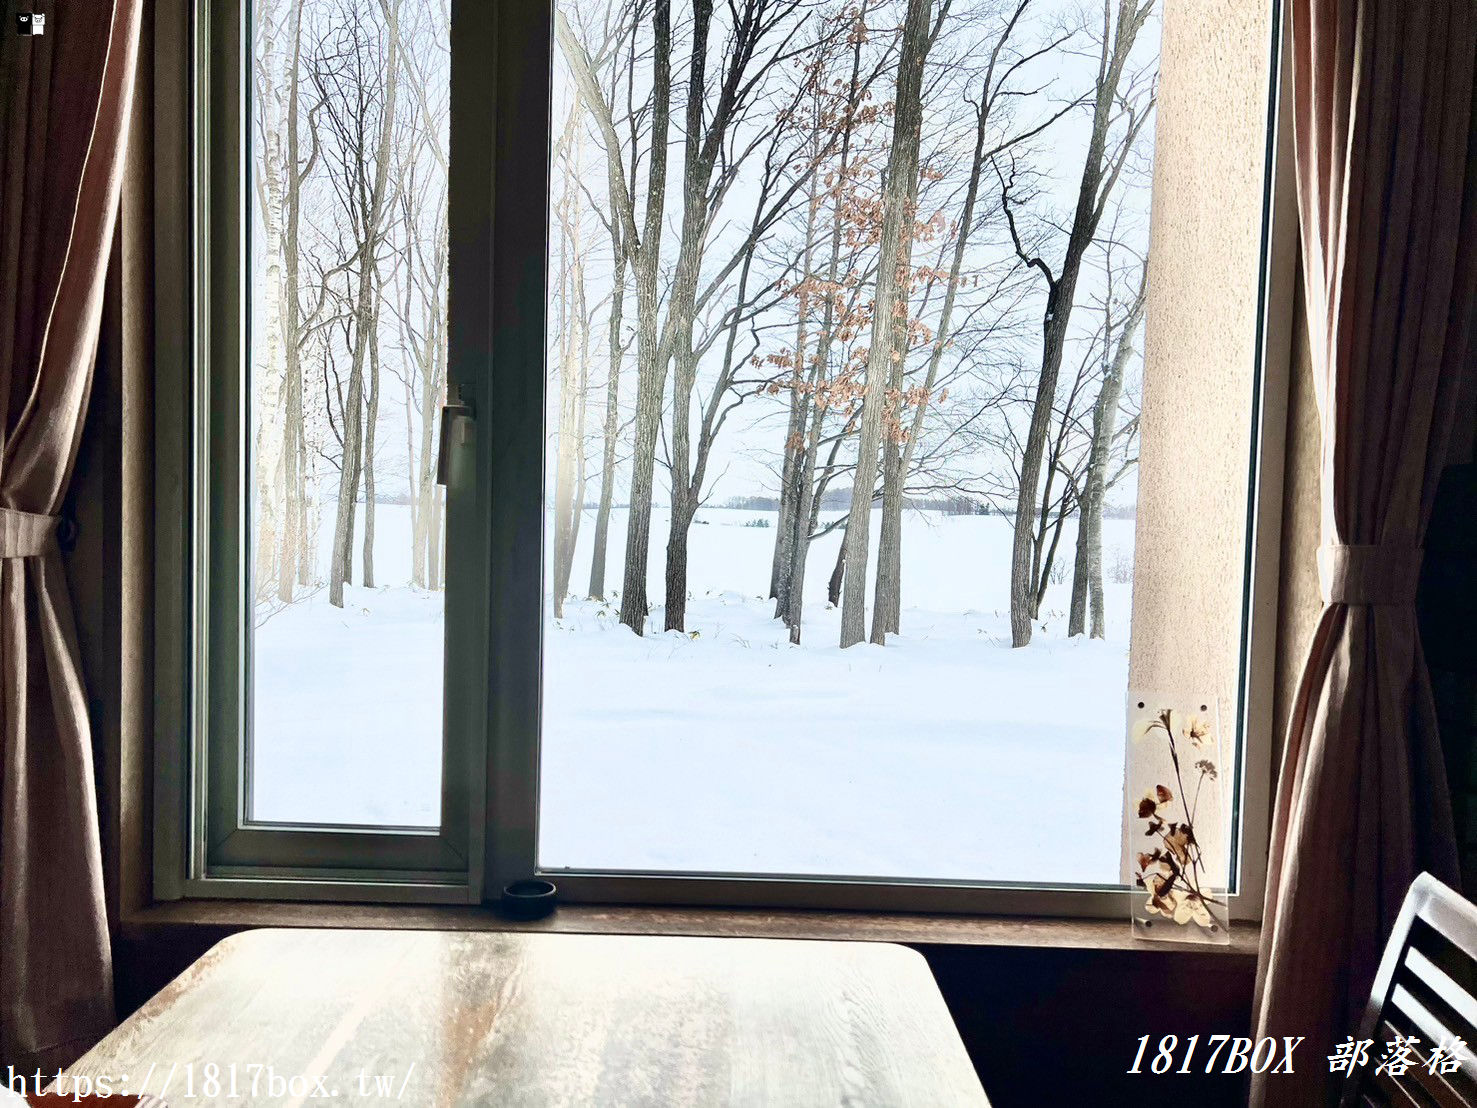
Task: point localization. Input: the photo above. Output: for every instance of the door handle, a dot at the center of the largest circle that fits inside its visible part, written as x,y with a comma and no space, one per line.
455,415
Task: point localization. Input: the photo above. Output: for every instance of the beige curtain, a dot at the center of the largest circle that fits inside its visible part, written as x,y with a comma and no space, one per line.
1387,191
64,104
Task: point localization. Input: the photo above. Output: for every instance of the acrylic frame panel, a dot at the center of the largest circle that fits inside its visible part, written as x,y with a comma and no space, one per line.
1177,826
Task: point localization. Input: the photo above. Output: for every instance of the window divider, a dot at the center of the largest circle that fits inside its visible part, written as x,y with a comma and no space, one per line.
511,453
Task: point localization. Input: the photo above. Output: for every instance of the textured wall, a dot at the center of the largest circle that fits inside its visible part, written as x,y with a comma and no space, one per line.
1200,347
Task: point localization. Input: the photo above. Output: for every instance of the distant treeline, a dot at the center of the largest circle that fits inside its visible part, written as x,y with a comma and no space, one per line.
839,500
835,500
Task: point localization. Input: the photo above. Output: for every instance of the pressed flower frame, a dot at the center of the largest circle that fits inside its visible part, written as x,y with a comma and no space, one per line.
1176,829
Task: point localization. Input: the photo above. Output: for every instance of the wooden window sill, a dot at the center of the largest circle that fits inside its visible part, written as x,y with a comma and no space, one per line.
913,930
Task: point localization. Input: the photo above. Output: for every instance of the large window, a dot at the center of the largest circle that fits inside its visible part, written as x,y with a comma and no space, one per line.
843,416
700,451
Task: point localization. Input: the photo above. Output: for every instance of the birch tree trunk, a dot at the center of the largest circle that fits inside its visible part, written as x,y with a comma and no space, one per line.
340,568
838,575
432,397
887,593
573,349
1098,622
611,427
781,563
271,377
699,153
1087,567
900,187
435,548
371,422
651,364
295,565
417,554
787,539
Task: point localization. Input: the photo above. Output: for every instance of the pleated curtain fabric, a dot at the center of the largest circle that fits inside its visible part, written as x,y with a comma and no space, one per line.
64,105
1387,193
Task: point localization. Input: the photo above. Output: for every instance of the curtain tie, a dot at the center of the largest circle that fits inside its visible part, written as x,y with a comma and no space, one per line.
1366,575
25,534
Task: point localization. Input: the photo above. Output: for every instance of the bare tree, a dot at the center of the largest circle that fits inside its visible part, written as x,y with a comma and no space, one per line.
274,79
572,357
358,85
420,313
642,249
1117,118
816,389
418,270
1061,478
371,425
758,43
1087,568
297,545
614,56
900,192
610,426
1005,64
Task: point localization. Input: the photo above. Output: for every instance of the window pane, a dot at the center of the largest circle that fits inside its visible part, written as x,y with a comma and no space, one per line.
348,139
879,246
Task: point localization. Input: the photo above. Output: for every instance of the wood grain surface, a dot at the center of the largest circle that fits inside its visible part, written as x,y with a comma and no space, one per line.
453,1018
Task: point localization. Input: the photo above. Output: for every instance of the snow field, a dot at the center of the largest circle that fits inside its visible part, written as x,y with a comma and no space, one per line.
944,755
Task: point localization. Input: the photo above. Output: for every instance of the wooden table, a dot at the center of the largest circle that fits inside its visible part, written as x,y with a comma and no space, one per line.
443,1018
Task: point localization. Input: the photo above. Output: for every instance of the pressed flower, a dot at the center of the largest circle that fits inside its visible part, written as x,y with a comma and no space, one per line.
1163,897
1196,729
1146,807
1163,795
1178,840
1191,907
1207,768
1161,905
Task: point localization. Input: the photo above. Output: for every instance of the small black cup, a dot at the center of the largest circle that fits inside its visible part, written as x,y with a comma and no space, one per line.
531,898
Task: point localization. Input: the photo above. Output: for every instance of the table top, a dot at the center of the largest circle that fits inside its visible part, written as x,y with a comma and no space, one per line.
283,1017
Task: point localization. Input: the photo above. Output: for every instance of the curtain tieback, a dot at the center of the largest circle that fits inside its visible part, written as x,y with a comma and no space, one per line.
1366,575
25,534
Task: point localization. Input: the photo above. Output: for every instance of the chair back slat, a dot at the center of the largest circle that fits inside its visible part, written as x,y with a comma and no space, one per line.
1454,995
1425,1083
1387,1092
1426,989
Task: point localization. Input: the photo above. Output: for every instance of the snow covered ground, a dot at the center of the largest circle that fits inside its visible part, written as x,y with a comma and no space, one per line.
945,754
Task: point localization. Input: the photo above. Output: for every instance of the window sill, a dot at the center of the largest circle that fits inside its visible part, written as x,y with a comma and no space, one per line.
910,929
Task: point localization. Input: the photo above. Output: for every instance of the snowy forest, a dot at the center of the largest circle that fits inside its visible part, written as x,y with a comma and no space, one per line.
845,307
852,214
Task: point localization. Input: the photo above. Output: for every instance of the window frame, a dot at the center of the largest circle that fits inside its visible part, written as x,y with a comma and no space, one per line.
205,845
497,350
